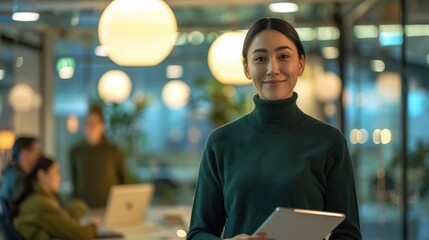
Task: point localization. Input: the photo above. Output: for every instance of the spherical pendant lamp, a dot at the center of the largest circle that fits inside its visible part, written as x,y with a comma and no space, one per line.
225,61
137,32
175,94
114,86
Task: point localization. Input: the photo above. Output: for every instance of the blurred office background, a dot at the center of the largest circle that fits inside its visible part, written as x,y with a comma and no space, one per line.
367,74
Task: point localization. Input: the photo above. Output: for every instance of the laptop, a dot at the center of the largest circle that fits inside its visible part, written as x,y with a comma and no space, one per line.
126,209
289,223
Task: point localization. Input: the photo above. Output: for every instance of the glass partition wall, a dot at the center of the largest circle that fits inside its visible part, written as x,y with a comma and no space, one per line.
386,114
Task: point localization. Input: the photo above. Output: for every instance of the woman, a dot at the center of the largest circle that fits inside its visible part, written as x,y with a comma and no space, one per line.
274,156
37,214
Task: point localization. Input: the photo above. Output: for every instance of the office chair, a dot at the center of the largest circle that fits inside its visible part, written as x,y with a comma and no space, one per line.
7,229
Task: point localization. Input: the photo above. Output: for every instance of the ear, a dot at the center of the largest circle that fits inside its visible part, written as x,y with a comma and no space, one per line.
246,69
301,65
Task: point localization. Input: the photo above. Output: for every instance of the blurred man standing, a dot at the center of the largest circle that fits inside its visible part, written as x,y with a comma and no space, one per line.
96,164
25,152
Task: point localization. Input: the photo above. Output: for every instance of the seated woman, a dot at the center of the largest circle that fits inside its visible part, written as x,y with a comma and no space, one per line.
37,213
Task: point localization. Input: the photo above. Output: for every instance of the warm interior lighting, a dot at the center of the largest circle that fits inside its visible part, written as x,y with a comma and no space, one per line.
376,136
330,52
417,30
137,33
328,87
21,97
66,67
306,34
389,87
25,16
224,59
7,138
174,71
386,136
175,94
327,33
114,86
365,31
377,65
196,38
100,51
72,123
283,7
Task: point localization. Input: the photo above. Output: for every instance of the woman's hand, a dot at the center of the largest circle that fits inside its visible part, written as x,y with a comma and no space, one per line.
261,236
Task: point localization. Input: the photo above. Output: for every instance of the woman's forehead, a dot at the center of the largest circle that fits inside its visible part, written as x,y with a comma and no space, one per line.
270,40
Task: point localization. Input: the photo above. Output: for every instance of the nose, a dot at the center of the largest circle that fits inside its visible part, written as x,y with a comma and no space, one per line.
273,67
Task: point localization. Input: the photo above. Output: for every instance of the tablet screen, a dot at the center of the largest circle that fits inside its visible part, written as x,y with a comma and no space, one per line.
289,223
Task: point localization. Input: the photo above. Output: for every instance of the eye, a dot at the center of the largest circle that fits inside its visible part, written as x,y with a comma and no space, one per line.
283,56
259,59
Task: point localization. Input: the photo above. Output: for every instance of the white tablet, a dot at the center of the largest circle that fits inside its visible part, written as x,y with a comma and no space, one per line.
288,223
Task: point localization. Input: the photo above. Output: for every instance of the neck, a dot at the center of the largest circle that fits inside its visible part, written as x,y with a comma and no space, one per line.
278,112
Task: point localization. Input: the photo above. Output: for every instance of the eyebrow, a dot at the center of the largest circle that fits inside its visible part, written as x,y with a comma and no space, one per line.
277,49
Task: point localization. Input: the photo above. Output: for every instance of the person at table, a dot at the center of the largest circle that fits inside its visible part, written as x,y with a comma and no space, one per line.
275,156
25,152
96,164
37,214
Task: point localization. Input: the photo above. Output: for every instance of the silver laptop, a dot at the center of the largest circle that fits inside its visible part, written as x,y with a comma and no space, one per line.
127,206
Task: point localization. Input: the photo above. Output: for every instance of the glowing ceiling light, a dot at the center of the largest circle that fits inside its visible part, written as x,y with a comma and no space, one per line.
306,34
175,94
377,65
365,31
66,67
25,16
7,138
224,59
174,71
330,52
327,33
21,97
100,51
283,7
137,33
114,86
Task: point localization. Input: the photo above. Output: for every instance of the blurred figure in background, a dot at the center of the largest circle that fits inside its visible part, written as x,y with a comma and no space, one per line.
96,164
37,213
25,152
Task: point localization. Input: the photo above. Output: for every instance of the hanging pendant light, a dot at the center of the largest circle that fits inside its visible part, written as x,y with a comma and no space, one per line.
114,86
224,59
136,32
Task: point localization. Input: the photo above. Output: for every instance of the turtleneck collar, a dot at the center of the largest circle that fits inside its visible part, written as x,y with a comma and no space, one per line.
282,112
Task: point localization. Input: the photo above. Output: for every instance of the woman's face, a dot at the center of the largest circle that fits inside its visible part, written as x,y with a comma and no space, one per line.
273,65
51,179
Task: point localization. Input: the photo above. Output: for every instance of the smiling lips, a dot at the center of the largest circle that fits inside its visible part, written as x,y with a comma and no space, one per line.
274,82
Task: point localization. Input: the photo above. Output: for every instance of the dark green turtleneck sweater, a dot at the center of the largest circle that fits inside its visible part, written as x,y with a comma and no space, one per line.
94,169
275,156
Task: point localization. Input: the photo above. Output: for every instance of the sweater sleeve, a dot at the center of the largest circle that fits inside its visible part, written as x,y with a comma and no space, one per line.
208,212
341,193
59,224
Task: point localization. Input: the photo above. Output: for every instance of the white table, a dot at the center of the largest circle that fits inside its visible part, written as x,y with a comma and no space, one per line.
158,226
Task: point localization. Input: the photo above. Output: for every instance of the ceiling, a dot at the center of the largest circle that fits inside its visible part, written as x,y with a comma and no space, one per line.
77,20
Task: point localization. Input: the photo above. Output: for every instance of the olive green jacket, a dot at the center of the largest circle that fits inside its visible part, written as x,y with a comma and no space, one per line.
40,217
